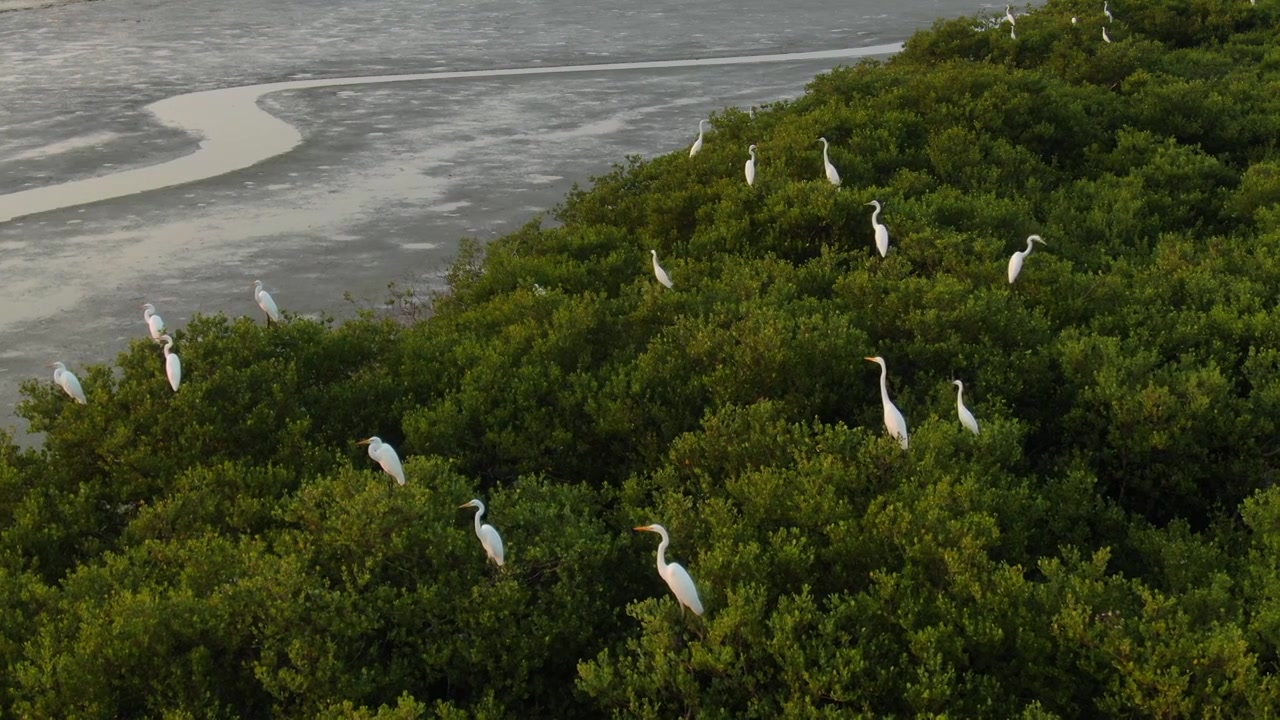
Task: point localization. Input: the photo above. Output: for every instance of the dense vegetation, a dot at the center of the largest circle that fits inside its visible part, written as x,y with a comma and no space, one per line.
1108,546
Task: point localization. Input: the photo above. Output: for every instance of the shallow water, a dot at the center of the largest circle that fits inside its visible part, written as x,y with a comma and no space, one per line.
385,176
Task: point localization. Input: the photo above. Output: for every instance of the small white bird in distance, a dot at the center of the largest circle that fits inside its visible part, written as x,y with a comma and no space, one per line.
1019,257
172,364
1107,11
750,168
1008,15
882,232
490,540
893,420
833,177
966,418
154,322
386,456
1105,37
69,383
697,144
658,272
677,577
265,302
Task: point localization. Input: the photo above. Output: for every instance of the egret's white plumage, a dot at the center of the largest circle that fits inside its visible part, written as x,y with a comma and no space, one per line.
69,383
697,144
172,364
1013,33
893,420
490,540
386,456
677,577
966,418
750,168
265,302
882,232
833,177
1105,37
154,322
1008,15
1075,20
658,272
1107,11
1019,257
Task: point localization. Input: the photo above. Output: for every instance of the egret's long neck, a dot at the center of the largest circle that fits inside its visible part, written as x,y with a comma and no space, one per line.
479,512
875,216
662,552
884,385
959,394
1031,244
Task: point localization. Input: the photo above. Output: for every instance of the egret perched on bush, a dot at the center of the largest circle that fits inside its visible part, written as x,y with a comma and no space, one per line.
677,577
750,168
172,364
1106,10
1105,37
489,538
1008,15
882,232
697,144
1019,257
893,420
386,457
658,272
69,382
265,302
833,177
154,322
966,418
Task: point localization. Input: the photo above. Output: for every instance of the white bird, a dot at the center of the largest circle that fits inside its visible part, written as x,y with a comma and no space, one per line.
697,144
172,364
1013,33
154,322
677,577
750,168
1008,15
386,457
265,302
69,382
966,418
489,538
882,232
1105,37
832,176
1019,257
658,272
1107,11
1075,20
893,420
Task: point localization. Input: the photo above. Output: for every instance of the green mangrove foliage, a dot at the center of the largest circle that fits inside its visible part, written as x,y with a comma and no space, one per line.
1107,546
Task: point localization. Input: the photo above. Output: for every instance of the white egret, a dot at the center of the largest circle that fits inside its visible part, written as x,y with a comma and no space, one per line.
833,177
265,302
966,418
489,538
386,457
1013,33
697,144
881,231
750,168
658,272
1107,11
69,383
154,322
172,364
893,420
677,577
1019,257
1008,15
1105,37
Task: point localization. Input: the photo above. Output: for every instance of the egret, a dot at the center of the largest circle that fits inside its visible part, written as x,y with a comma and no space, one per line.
172,364
966,418
69,382
697,144
1107,11
1075,20
1013,33
1105,37
893,420
658,272
489,538
750,168
154,322
882,232
1015,262
832,176
1008,15
677,577
386,457
265,302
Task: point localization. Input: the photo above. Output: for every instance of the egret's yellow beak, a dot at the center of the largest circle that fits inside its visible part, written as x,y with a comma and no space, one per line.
365,442
869,359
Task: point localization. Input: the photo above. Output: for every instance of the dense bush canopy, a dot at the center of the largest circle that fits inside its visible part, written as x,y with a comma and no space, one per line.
1107,546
